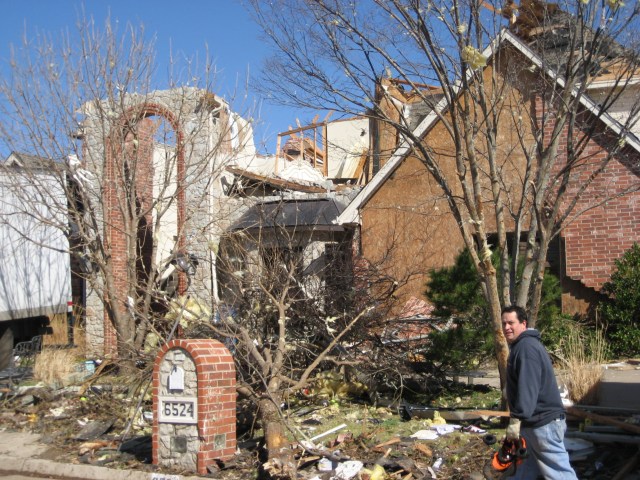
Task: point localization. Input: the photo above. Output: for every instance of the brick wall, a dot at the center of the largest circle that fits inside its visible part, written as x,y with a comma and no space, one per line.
607,224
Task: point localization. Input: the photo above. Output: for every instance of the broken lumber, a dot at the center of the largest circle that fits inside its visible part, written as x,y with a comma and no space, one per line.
606,437
460,415
628,427
380,446
409,411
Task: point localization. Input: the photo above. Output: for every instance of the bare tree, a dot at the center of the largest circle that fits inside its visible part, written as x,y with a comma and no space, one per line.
141,169
452,57
287,309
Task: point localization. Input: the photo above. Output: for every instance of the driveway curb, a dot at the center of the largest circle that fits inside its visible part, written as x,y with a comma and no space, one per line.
75,471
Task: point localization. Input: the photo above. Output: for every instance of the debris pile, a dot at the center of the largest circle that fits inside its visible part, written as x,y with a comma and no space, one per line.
334,436
605,443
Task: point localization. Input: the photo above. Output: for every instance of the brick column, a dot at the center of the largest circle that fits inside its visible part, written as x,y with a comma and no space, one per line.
209,375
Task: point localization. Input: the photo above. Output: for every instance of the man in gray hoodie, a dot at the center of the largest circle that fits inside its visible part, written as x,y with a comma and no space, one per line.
534,400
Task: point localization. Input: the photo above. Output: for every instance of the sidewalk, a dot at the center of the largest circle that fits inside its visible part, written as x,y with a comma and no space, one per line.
620,387
23,452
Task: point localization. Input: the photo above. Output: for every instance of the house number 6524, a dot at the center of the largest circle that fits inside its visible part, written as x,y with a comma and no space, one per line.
178,410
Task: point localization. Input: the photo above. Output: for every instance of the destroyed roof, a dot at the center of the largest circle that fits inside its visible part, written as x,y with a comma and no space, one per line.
277,183
550,31
351,213
417,99
302,172
307,212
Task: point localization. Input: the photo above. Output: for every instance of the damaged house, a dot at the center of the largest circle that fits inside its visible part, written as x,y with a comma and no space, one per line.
404,223
401,226
285,234
338,198
177,199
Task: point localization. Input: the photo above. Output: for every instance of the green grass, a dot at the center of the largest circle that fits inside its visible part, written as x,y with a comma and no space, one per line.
380,424
466,398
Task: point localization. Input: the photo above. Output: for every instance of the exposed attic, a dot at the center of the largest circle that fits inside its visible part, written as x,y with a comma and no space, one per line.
551,32
413,101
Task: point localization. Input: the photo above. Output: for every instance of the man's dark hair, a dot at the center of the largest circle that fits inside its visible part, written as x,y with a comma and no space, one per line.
521,314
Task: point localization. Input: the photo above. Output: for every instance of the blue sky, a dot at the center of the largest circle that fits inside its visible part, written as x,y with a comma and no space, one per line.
186,28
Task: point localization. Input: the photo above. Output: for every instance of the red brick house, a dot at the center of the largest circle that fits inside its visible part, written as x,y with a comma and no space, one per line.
405,225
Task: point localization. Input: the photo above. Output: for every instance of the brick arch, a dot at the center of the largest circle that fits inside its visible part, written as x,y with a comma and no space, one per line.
116,146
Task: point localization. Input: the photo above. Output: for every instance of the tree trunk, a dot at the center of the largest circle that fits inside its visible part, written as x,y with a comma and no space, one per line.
280,463
500,343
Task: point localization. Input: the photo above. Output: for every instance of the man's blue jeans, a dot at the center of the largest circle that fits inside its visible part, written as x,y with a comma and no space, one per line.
547,455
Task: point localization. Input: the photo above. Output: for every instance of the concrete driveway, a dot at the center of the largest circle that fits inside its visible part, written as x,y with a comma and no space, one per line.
621,386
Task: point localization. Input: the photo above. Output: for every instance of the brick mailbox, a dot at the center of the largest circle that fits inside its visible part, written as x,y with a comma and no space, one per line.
194,404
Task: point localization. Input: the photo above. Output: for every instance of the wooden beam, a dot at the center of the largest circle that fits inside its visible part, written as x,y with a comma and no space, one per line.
291,131
326,149
278,153
315,144
360,167
277,182
402,81
602,419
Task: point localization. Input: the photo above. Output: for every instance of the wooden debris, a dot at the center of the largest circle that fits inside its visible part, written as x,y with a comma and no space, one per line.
380,446
628,427
91,447
422,448
93,377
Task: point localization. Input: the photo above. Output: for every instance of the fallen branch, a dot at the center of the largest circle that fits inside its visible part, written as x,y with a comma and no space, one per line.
87,383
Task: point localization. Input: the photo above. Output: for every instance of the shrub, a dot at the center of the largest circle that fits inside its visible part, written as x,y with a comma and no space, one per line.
455,290
456,293
552,324
463,347
621,312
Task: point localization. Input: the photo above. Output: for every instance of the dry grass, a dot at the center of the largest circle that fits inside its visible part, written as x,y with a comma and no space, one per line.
80,336
58,324
60,335
55,366
583,356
